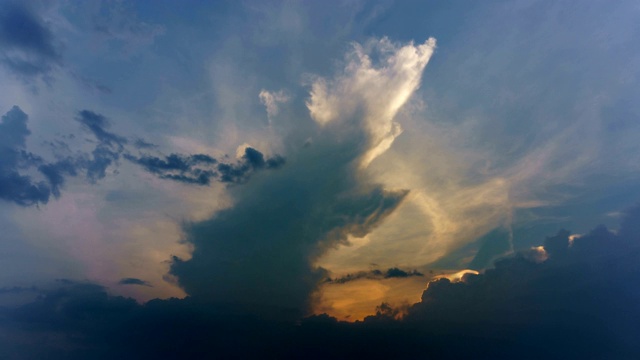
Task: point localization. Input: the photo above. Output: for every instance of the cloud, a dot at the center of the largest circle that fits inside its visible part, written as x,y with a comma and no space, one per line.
371,94
133,281
199,169
263,250
97,125
375,274
14,187
118,23
583,290
55,173
271,101
27,46
579,303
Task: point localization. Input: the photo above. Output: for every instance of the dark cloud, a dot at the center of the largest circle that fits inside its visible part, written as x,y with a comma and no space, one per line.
55,173
133,281
201,169
250,161
97,124
492,245
581,302
21,189
177,167
198,169
375,274
26,44
398,273
108,149
262,249
14,187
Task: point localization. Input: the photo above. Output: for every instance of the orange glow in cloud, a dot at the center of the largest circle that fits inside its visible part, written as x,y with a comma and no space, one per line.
457,276
358,299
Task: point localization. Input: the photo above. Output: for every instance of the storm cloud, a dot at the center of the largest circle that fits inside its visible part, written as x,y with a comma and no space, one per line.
579,301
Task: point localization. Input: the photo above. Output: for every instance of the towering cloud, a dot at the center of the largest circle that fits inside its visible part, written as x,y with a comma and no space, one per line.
262,250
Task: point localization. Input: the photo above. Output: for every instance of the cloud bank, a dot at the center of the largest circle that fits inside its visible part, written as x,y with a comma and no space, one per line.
578,301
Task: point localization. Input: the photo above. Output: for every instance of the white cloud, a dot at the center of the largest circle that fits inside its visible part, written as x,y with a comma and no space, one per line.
271,101
372,92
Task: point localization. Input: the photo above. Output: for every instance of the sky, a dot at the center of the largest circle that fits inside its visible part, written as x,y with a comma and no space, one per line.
241,178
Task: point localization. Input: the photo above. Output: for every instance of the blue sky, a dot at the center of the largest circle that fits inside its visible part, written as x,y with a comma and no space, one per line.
243,150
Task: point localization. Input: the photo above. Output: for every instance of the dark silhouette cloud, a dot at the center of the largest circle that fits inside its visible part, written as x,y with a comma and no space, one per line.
262,249
133,281
492,245
27,46
14,187
578,302
375,274
177,167
55,173
97,124
250,161
201,169
108,149
197,169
